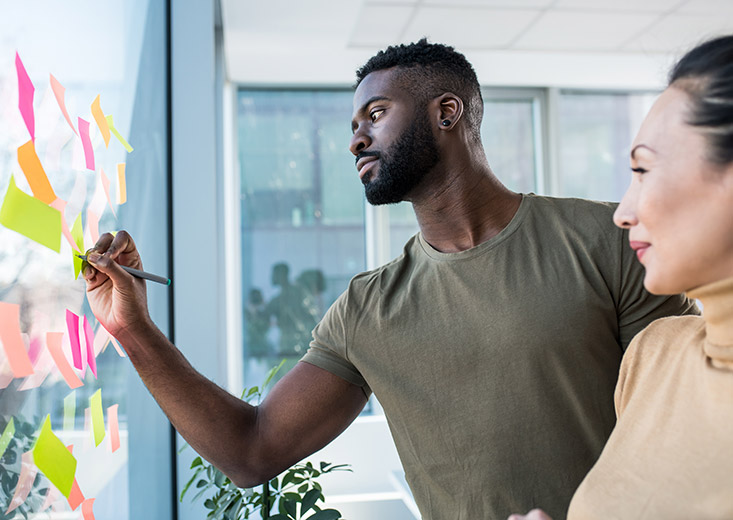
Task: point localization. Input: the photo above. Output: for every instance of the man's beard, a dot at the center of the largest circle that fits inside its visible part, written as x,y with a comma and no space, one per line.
404,164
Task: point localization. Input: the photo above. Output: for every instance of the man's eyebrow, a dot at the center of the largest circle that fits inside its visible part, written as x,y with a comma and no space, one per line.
633,151
372,100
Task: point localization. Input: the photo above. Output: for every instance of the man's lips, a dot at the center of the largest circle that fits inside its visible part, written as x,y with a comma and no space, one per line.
639,248
363,164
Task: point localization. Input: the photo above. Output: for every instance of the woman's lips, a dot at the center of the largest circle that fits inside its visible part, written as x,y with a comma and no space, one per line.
639,248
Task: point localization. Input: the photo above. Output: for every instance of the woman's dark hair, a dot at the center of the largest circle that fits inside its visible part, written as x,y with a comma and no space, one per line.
706,75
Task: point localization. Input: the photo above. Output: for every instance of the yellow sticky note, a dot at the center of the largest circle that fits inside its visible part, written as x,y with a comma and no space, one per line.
121,184
30,217
114,131
7,436
95,404
77,233
70,410
101,120
33,170
53,459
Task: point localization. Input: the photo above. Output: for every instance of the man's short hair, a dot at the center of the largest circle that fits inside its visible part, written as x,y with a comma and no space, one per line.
429,70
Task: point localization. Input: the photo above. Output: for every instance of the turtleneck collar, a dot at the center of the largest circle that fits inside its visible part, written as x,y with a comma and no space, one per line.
717,302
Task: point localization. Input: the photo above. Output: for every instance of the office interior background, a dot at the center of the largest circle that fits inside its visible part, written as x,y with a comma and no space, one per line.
241,187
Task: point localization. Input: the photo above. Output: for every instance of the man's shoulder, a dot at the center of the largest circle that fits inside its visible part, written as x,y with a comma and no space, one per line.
581,219
571,206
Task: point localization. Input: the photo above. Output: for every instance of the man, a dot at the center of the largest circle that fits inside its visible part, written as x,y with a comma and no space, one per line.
493,343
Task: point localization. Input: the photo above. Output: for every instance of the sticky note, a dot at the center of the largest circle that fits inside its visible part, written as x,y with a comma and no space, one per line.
7,436
114,428
89,340
34,173
100,120
117,347
25,97
13,344
51,496
72,325
25,481
59,91
105,185
77,199
122,184
70,411
86,509
95,404
76,497
86,143
31,217
111,123
77,233
53,459
60,205
93,225
53,343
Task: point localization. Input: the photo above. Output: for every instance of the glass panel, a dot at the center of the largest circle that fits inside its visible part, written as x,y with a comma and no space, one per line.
116,51
507,133
596,131
302,218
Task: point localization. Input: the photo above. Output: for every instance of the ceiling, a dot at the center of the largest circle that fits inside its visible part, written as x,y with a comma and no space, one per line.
564,43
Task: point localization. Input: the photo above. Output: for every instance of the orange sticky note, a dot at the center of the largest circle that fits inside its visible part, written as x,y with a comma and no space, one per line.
76,497
33,170
86,509
12,341
122,191
93,225
101,121
53,343
59,91
114,428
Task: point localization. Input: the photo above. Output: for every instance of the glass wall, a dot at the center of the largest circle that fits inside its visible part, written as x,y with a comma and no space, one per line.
88,79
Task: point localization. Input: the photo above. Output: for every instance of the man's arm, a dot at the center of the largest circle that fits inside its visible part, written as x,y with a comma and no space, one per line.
305,410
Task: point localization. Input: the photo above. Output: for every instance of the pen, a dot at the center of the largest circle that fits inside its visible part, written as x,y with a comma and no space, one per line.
139,274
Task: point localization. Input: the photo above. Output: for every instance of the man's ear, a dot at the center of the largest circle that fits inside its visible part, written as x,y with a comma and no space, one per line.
449,110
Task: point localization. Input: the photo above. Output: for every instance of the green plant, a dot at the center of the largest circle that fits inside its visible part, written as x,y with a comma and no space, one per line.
295,493
25,434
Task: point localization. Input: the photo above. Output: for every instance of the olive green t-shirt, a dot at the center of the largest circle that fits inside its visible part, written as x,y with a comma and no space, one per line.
496,366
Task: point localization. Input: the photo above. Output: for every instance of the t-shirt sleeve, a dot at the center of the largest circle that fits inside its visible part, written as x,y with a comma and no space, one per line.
637,307
329,348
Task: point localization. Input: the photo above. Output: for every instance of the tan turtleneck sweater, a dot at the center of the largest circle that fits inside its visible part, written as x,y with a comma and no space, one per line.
670,455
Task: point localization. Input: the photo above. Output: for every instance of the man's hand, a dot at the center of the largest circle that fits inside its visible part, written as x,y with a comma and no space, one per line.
535,514
117,299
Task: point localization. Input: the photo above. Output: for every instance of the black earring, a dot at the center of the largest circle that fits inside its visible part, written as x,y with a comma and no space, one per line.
445,122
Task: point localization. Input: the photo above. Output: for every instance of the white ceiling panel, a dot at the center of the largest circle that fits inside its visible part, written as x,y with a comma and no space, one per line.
713,7
469,27
503,4
677,33
381,23
655,6
583,32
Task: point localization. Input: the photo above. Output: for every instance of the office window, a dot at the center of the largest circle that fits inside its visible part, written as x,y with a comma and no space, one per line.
116,51
595,134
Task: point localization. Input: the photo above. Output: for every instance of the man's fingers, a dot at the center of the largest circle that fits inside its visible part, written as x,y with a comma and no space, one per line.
106,265
103,243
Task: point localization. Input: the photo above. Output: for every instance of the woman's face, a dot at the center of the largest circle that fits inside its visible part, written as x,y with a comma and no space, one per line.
679,206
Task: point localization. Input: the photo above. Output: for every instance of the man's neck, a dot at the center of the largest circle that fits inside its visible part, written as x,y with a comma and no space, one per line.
465,208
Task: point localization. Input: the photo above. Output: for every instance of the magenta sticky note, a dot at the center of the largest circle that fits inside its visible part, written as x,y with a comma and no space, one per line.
25,97
86,143
72,323
89,339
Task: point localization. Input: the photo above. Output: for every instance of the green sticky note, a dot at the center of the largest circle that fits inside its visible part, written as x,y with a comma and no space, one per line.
70,411
31,217
7,436
77,233
97,413
111,124
53,459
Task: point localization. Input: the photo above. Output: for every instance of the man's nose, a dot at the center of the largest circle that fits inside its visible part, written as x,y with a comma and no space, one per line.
359,142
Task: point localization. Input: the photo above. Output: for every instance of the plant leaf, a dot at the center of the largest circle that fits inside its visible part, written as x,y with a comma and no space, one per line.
326,514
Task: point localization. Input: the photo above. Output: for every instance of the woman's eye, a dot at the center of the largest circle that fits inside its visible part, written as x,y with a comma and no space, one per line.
639,170
375,115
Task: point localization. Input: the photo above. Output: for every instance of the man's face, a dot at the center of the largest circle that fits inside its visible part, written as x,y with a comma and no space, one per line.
393,141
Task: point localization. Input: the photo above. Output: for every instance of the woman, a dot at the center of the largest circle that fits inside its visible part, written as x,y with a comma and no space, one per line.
671,453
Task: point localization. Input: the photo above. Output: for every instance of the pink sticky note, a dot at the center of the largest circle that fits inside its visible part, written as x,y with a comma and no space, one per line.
93,225
76,497
59,91
86,509
34,349
114,428
25,97
86,143
53,343
72,324
117,347
61,206
89,340
52,496
12,341
28,472
105,185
